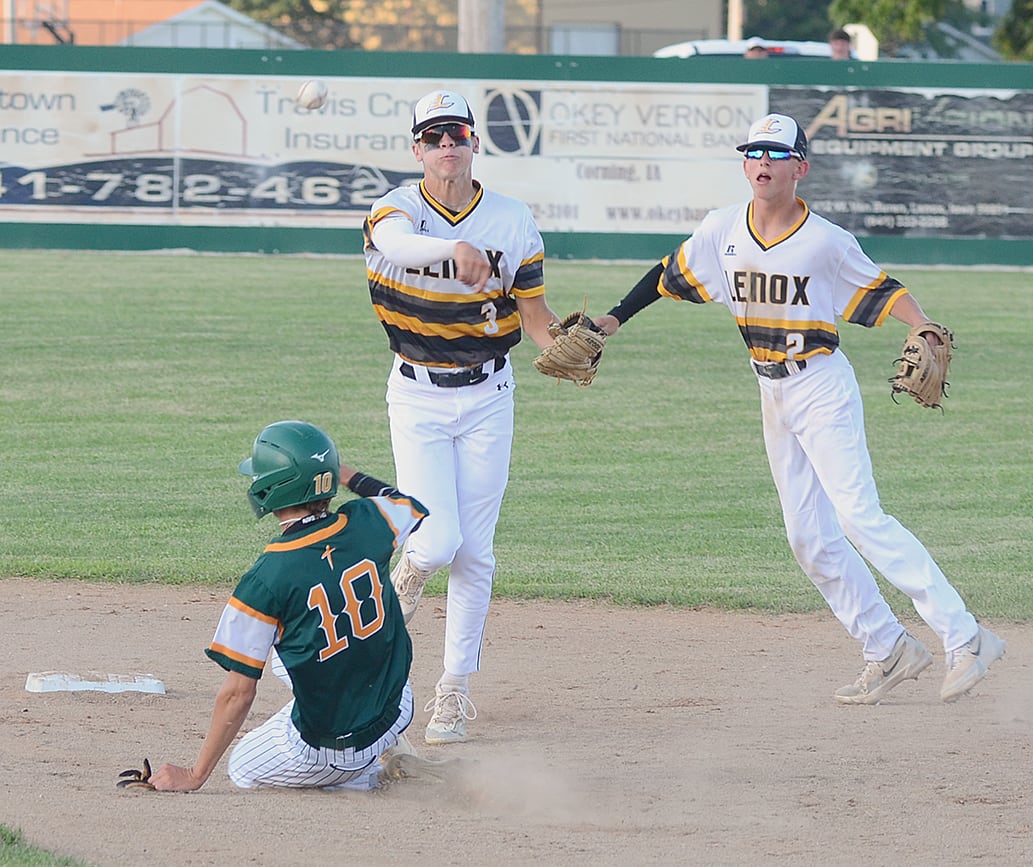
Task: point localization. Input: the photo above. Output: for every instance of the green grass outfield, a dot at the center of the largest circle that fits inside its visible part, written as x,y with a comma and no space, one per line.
133,384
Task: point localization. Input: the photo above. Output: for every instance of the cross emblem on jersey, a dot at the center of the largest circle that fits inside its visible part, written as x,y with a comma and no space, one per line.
328,555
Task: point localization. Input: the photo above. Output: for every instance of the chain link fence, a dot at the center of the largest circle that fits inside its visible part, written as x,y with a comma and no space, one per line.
602,40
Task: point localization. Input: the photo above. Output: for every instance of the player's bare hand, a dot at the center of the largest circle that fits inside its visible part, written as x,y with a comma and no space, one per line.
472,266
172,778
607,323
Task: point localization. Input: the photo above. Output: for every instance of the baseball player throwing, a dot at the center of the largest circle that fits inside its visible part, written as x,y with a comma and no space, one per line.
318,600
786,275
455,273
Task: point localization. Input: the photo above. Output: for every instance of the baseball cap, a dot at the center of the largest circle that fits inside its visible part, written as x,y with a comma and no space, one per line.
440,106
777,131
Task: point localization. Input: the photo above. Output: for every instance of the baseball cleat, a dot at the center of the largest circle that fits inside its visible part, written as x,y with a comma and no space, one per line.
136,779
405,766
969,664
408,582
448,722
908,660
403,747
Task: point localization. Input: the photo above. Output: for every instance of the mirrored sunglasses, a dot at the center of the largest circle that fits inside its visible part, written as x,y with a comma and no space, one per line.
458,132
773,154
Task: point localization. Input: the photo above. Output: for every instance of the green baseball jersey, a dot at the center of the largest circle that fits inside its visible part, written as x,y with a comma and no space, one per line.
321,595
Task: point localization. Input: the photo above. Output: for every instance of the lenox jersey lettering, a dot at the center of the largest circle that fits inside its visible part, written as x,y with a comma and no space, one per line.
785,299
431,317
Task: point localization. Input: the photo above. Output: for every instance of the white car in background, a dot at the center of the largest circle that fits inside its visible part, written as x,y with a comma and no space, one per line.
738,47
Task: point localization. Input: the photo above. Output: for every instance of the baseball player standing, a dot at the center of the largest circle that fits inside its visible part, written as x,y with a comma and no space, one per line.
318,600
455,272
787,274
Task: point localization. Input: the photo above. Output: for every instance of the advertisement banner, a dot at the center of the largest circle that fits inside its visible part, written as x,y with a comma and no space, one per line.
917,163
591,157
208,150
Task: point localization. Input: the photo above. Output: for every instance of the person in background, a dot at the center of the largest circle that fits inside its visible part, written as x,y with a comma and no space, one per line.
755,50
840,44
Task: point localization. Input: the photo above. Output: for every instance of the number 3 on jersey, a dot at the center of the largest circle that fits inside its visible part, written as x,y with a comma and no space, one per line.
365,614
490,312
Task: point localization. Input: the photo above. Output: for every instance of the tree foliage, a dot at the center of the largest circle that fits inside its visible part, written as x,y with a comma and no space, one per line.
788,19
893,22
376,25
1014,36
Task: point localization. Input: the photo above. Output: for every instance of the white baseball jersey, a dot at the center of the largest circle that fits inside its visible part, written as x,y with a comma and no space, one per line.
452,445
786,293
430,317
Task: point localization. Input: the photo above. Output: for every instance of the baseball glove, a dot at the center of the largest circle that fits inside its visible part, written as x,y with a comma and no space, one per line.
136,779
922,368
576,352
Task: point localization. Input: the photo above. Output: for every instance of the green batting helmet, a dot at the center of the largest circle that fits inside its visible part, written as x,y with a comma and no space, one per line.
291,463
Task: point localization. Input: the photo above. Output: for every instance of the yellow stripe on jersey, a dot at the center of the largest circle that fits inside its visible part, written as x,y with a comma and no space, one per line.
248,611
245,635
392,505
767,338
532,266
243,659
453,218
787,324
309,538
696,288
430,295
863,294
506,325
379,215
765,244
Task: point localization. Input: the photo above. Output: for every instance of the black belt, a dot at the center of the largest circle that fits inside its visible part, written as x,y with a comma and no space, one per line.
360,739
778,370
457,378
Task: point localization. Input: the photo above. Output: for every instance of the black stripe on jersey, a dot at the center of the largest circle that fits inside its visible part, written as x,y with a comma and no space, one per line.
453,217
448,352
530,274
678,283
869,305
398,303
767,341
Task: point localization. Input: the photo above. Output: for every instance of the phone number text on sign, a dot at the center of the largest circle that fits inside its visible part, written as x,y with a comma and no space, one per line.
198,183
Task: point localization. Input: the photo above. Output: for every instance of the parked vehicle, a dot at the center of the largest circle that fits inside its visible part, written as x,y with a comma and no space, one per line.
738,47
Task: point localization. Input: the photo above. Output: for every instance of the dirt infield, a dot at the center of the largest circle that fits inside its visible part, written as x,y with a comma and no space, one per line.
604,736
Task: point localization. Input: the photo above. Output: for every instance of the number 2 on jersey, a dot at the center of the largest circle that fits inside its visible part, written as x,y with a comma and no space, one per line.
354,608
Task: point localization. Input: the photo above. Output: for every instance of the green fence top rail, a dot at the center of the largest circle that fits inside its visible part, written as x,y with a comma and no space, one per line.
806,71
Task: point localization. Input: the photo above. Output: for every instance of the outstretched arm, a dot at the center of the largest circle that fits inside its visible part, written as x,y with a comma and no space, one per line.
642,294
232,704
365,486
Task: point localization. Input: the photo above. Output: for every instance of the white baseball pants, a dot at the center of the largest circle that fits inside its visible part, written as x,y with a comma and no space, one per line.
815,440
274,754
452,450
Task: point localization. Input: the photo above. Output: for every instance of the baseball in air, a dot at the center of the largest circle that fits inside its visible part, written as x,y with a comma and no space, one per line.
312,94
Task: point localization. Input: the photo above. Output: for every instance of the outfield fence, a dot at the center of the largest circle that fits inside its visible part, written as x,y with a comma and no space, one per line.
618,157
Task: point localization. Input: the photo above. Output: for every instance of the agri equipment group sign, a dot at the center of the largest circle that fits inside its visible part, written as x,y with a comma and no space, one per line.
606,157
918,162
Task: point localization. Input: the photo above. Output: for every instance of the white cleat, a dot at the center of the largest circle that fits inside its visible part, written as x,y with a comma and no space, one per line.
969,664
408,582
908,659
